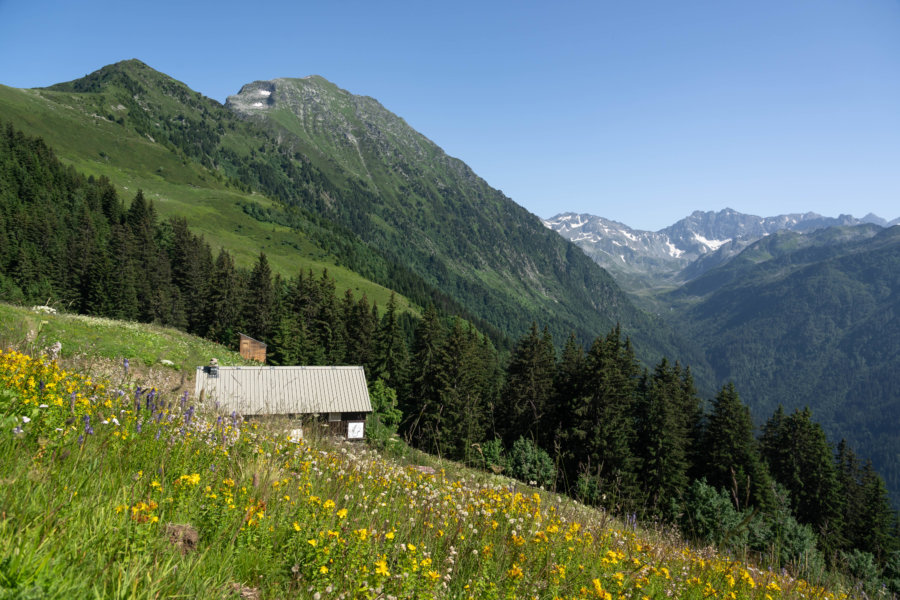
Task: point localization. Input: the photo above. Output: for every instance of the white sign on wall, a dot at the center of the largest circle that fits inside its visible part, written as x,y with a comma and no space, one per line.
354,431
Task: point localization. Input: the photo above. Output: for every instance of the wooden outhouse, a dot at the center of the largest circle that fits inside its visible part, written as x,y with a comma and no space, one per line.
338,395
252,349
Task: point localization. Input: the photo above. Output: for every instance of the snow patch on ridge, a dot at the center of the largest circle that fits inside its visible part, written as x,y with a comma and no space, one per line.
673,251
711,244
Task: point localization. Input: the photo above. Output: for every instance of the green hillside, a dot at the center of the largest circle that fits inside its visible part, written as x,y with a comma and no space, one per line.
177,185
91,339
810,320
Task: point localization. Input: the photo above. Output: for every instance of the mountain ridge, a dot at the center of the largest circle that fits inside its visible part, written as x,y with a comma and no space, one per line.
687,248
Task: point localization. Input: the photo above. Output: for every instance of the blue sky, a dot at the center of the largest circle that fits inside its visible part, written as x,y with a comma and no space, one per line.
636,111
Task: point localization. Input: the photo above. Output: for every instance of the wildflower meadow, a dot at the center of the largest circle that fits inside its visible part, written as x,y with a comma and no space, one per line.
112,490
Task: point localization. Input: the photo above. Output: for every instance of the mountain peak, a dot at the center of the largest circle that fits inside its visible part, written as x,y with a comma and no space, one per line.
124,72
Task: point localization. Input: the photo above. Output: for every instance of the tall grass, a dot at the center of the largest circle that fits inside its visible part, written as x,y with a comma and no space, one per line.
118,491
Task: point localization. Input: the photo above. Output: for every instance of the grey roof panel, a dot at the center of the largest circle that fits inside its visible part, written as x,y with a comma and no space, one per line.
286,390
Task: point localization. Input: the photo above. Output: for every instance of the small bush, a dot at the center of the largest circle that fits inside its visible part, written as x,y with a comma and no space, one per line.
707,515
787,541
862,567
494,456
531,464
381,424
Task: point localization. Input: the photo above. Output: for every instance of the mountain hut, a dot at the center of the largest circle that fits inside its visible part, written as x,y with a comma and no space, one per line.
337,395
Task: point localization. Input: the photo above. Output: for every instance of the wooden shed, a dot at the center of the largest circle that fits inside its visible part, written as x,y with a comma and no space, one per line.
338,395
252,349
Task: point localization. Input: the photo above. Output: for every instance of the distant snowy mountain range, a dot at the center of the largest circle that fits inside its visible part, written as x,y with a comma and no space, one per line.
650,259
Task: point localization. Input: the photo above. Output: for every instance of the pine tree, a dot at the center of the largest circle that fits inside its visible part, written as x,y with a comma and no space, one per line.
732,456
663,439
528,392
225,301
798,456
391,353
602,427
260,301
191,261
422,408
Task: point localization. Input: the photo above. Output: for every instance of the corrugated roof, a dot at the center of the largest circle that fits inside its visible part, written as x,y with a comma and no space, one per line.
286,390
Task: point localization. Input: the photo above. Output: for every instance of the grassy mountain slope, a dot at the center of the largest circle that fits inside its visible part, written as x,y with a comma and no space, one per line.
810,320
82,128
102,339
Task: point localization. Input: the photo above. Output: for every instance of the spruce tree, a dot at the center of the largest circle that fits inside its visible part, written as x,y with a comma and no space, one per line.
360,325
463,406
225,301
191,261
569,398
602,431
528,392
733,463
391,353
662,442
881,521
428,379
260,301
799,457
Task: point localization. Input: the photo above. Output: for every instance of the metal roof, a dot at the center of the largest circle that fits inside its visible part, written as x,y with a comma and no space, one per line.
286,390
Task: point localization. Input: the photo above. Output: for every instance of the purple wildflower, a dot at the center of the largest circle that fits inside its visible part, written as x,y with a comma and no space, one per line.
125,364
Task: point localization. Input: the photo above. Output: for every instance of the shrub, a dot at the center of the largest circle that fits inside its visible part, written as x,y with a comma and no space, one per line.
381,424
494,456
707,515
531,464
787,541
862,567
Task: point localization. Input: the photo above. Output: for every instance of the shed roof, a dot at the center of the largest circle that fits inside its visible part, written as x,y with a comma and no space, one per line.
286,390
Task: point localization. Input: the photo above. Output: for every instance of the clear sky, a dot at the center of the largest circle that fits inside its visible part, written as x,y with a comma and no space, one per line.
638,111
